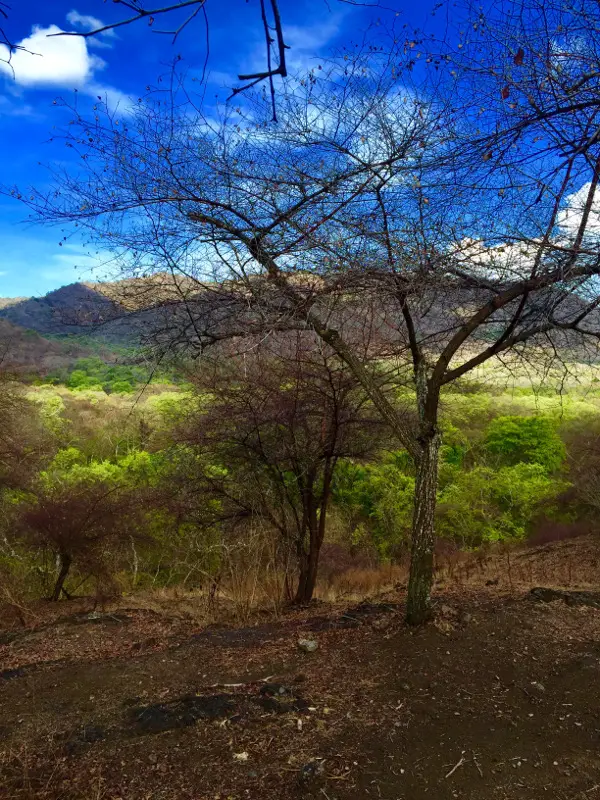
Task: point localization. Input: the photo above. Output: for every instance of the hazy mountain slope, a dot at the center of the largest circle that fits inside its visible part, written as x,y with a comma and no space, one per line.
70,309
26,352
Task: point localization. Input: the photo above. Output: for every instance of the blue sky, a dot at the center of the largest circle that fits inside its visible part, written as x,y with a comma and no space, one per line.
117,66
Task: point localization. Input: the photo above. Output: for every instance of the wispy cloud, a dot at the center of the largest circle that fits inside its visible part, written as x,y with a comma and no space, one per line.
74,264
307,45
85,22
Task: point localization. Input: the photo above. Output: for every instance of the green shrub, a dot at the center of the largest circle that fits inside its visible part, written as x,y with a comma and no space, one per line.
525,440
487,505
377,501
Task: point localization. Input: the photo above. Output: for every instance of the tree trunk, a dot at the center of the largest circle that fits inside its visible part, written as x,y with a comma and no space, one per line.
418,608
65,566
307,581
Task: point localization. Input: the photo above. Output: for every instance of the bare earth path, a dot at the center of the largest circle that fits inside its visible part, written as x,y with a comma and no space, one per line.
499,698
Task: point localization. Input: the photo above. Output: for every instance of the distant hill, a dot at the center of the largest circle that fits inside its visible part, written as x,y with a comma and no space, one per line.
40,335
120,313
71,309
26,352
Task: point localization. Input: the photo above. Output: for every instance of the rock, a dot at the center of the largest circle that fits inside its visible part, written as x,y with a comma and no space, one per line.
181,713
274,690
308,645
311,772
447,611
381,624
539,687
545,595
10,674
571,598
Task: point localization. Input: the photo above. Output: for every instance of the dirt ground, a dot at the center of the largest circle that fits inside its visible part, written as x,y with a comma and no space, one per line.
499,697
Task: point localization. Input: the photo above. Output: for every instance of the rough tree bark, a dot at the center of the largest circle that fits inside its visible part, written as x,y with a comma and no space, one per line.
418,609
65,566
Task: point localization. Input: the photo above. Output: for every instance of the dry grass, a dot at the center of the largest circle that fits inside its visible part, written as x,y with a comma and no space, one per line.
26,774
358,583
570,563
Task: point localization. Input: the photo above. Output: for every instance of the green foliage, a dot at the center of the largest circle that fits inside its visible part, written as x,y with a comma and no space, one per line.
525,440
70,468
160,508
51,410
487,505
96,374
377,499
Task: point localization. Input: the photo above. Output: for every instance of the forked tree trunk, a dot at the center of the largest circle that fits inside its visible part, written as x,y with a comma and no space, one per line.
418,609
65,566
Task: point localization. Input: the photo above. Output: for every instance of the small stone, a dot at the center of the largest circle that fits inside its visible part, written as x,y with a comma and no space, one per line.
539,687
308,645
447,611
381,623
405,687
274,690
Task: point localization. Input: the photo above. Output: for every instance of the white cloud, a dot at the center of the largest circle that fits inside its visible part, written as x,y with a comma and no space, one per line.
111,97
47,61
9,108
50,60
307,43
569,218
74,264
86,22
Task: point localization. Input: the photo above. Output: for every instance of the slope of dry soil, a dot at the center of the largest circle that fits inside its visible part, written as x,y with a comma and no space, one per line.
499,697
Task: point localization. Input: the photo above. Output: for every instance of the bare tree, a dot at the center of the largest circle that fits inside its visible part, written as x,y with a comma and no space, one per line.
389,198
279,419
83,526
6,40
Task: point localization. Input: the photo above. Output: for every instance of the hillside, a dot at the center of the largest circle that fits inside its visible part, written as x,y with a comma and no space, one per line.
149,700
117,313
71,309
24,351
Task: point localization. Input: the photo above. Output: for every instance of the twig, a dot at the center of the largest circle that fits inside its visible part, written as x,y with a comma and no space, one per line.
238,685
479,770
457,765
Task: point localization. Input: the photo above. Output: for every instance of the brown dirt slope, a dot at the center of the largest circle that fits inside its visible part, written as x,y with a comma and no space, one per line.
499,697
